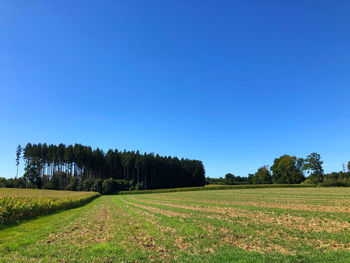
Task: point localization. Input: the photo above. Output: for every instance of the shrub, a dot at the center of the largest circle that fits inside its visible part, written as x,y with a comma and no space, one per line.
109,186
97,186
123,185
307,182
86,185
73,184
345,182
139,186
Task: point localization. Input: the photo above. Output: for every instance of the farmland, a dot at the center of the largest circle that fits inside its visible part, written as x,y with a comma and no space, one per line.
19,204
246,225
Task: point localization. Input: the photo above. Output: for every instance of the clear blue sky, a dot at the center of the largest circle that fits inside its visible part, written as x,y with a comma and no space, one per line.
232,83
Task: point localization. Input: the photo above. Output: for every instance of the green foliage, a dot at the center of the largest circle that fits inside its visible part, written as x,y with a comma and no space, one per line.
73,184
18,157
97,186
18,154
313,165
32,173
344,182
139,186
336,179
262,176
58,181
123,185
86,184
229,179
60,163
287,170
109,186
307,182
54,167
13,182
3,182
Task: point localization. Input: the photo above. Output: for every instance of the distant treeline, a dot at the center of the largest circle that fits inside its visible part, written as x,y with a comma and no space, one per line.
229,179
78,167
82,168
290,170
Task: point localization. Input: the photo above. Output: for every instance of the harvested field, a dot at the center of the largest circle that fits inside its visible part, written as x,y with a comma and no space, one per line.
246,225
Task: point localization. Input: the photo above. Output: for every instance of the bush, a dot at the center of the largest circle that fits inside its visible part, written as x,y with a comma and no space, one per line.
139,186
97,186
3,182
109,186
307,182
73,184
86,185
123,185
345,182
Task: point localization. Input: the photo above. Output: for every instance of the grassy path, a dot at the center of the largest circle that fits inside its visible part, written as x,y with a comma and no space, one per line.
178,227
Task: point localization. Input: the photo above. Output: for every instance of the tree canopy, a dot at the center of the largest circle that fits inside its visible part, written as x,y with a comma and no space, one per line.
287,170
313,165
62,167
78,167
262,176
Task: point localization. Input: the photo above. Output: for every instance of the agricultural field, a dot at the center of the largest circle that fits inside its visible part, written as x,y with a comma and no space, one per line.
19,204
240,225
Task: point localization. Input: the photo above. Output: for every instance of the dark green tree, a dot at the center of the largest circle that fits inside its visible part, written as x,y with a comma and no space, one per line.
32,173
59,164
262,176
229,179
73,184
286,170
18,157
109,186
313,166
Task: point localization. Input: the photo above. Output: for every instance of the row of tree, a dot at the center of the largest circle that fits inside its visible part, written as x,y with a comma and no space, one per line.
229,179
75,166
80,167
290,170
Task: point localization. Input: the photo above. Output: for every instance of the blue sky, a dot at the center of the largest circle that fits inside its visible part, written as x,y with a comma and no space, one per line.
232,83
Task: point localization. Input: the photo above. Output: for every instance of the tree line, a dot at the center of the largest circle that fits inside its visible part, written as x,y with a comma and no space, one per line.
288,169
78,167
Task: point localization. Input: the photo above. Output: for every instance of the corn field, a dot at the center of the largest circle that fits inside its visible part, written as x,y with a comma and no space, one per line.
20,204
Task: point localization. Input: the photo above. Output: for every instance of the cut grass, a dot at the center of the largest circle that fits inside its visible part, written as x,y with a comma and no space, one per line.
247,225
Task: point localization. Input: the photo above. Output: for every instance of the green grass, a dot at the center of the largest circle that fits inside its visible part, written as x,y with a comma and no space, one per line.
241,225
